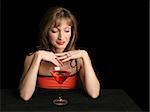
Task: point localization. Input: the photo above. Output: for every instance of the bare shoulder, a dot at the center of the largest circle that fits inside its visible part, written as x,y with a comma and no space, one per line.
79,63
28,61
29,58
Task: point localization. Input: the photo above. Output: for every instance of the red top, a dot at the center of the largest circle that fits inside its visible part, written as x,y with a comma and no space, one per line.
50,82
57,79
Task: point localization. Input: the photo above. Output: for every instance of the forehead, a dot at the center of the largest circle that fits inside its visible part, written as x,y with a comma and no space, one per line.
62,22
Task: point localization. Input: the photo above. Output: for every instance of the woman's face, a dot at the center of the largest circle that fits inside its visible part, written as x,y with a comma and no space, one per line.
59,36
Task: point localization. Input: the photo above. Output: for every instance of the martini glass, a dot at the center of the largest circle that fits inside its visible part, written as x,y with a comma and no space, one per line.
60,75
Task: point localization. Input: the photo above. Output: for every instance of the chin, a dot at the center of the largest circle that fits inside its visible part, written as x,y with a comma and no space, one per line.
61,47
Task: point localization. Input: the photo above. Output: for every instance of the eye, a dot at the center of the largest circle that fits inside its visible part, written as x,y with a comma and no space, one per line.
67,30
54,30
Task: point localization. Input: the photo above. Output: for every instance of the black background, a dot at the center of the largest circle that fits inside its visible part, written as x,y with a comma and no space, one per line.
114,33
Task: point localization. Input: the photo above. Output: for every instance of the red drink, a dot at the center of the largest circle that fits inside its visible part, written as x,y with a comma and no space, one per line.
60,76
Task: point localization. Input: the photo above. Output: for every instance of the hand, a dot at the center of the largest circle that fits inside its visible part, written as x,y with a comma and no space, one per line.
66,56
49,56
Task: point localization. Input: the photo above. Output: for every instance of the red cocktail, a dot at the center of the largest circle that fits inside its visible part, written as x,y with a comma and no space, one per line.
60,76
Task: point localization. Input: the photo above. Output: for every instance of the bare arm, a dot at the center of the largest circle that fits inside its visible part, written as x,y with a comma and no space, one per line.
31,68
29,77
87,74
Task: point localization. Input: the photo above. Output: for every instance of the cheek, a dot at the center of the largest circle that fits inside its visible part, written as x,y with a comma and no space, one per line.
52,37
68,35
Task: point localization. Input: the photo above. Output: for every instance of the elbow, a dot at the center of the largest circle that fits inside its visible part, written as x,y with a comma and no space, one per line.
95,95
25,96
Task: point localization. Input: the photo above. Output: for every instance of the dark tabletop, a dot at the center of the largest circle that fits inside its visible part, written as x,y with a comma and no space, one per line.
109,100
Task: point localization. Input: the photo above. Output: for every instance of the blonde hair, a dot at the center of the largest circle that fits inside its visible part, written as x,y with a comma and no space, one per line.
49,20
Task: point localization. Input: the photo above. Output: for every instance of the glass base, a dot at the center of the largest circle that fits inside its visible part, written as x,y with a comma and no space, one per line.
60,101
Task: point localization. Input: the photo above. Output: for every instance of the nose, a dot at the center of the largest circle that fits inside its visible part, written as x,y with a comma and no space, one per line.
60,35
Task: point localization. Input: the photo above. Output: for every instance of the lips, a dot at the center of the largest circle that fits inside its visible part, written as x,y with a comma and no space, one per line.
60,43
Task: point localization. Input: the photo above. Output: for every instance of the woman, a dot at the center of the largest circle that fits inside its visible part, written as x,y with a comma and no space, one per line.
58,34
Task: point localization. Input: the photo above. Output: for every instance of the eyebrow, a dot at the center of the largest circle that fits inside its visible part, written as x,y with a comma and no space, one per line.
64,28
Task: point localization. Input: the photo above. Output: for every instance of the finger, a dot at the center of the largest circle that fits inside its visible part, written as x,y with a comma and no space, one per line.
55,62
65,60
59,61
60,54
62,57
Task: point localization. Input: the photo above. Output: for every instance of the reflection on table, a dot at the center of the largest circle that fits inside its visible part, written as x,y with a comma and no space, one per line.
42,100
